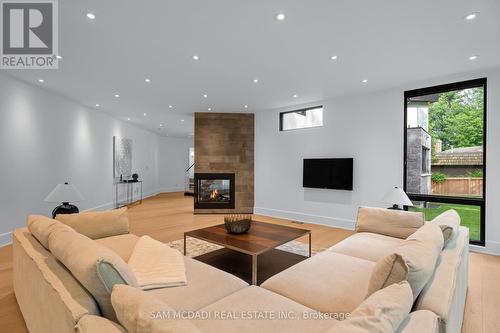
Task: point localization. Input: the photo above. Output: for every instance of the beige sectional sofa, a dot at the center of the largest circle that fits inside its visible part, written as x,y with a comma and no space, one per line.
334,281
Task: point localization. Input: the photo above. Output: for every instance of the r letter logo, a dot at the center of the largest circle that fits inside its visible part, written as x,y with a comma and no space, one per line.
29,35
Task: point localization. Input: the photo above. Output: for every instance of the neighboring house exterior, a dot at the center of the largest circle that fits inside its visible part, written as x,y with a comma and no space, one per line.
457,162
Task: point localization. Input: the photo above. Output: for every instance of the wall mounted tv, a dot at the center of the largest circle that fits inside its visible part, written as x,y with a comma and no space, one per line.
330,173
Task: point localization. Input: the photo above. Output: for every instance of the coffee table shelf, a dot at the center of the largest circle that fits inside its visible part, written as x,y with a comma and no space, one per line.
252,256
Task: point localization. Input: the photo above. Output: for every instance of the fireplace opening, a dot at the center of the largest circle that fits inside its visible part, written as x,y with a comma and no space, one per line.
214,191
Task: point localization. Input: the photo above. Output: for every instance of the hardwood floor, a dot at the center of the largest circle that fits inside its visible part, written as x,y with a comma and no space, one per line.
167,216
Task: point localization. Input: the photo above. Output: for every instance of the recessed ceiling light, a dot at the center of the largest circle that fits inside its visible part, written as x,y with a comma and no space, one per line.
209,109
170,106
365,81
205,95
41,80
97,105
280,17
245,106
147,80
195,57
295,96
161,125
91,16
59,57
128,119
117,95
145,114
334,57
473,57
255,80
471,16
182,120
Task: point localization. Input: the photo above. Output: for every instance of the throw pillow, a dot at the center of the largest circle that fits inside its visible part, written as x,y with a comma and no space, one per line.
80,255
383,311
388,270
389,222
98,224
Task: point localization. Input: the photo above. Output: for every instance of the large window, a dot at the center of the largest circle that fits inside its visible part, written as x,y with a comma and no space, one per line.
305,118
445,155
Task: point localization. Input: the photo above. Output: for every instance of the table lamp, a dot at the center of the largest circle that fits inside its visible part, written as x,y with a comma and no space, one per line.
396,196
64,193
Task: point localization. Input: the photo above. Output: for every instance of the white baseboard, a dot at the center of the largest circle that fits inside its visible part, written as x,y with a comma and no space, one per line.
5,239
309,218
171,189
490,247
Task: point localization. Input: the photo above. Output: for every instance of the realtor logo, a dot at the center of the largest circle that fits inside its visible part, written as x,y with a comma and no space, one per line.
29,34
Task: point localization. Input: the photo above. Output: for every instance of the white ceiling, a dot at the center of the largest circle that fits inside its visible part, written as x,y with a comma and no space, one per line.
388,42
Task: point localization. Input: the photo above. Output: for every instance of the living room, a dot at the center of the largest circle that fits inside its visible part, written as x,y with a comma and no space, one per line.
293,123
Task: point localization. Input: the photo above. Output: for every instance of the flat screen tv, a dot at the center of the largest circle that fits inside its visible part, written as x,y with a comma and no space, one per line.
330,173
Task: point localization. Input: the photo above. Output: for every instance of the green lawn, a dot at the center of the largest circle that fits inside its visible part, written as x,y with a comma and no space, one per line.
470,216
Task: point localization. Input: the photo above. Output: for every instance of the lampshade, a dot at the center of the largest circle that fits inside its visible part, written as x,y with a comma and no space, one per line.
397,196
64,193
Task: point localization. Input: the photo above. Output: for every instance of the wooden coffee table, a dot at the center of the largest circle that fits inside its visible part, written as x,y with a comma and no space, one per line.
255,249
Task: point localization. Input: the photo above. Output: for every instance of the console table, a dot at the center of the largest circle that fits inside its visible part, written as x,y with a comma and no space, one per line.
128,197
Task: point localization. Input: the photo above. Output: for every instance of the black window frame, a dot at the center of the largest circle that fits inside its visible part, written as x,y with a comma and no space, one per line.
295,111
481,202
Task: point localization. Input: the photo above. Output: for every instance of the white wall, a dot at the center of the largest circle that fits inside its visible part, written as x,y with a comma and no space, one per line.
174,160
46,139
368,128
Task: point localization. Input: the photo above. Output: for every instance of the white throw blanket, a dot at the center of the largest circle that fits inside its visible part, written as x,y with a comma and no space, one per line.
156,265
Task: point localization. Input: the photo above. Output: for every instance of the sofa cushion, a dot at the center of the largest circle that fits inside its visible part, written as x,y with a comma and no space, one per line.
366,245
325,282
451,219
141,312
96,324
80,255
388,270
205,285
381,312
420,321
98,224
123,245
389,222
420,252
446,291
41,227
279,314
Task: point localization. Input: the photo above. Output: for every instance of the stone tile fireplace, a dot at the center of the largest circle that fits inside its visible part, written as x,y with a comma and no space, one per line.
214,191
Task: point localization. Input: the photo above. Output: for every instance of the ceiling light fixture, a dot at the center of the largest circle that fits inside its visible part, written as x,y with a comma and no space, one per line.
145,114
471,16
195,57
97,105
128,119
334,57
295,96
161,125
147,80
255,80
209,109
91,16
170,106
117,96
182,120
473,57
364,81
280,17
205,95
41,80
245,106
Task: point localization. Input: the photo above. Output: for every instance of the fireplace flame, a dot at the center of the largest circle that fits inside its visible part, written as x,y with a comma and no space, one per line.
214,194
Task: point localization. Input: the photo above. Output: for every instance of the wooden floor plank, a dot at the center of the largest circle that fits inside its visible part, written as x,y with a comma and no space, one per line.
167,216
